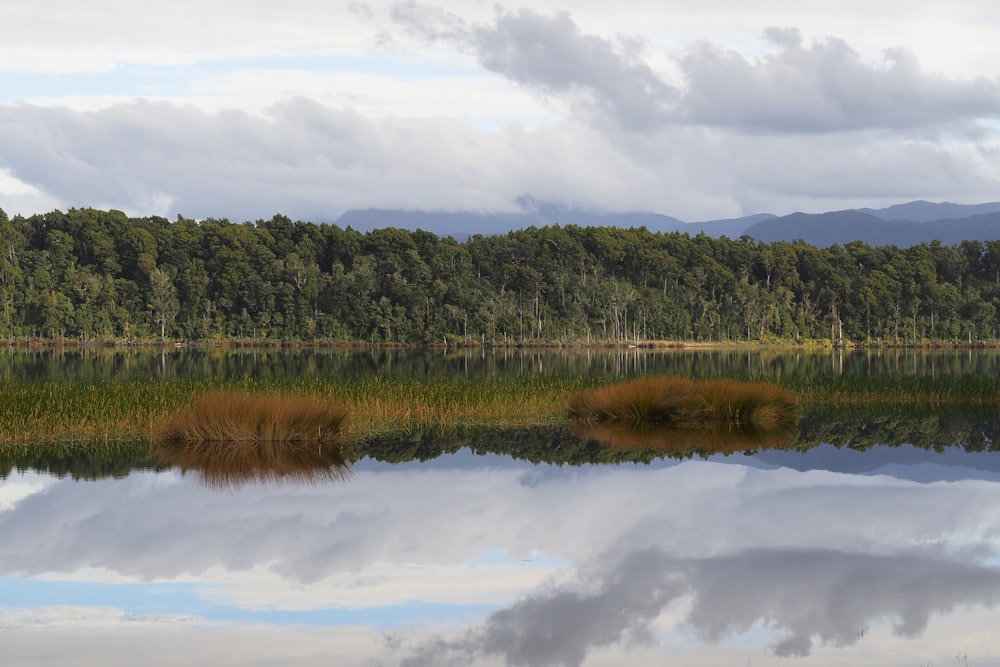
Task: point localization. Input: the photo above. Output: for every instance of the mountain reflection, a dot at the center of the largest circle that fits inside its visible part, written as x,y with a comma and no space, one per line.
231,464
803,595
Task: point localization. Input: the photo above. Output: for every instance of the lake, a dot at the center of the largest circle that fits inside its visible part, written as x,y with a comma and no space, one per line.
881,555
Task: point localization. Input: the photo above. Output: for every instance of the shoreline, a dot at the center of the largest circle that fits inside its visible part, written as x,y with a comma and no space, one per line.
651,345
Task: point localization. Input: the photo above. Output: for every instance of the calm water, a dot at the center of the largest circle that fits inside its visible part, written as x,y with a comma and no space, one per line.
833,556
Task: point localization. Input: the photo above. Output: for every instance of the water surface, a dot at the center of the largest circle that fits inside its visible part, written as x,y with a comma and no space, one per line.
887,556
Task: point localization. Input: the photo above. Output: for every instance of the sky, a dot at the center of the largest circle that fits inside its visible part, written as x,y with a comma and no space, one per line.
482,560
700,111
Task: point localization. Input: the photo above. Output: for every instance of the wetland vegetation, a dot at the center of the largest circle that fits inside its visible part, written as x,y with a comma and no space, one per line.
95,413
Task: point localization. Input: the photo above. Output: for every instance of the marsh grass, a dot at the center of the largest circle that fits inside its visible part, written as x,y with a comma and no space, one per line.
681,414
58,411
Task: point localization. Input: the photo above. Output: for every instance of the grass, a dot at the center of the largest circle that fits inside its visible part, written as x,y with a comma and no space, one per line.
679,414
109,410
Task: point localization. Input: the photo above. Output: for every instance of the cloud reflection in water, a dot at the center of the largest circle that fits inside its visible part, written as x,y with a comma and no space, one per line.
713,549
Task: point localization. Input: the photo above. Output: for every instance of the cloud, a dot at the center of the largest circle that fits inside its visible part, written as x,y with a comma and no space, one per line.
800,595
824,86
173,528
313,162
811,555
549,53
299,158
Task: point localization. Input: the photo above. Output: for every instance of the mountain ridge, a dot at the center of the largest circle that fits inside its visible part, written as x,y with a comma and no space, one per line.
902,225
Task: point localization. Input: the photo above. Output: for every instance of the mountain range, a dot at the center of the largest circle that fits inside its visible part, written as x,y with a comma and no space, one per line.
900,225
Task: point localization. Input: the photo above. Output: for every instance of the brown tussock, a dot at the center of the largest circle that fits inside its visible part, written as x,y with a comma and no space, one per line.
678,414
236,417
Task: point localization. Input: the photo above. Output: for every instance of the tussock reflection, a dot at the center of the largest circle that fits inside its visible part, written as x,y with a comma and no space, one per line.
676,441
230,464
676,414
232,439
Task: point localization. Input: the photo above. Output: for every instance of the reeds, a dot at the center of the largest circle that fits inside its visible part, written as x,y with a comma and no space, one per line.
681,414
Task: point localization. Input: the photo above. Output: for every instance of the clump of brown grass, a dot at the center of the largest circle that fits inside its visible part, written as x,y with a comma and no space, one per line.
233,438
679,414
225,416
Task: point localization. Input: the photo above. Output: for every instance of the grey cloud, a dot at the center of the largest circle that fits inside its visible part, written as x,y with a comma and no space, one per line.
824,87
300,158
559,627
829,595
820,87
549,53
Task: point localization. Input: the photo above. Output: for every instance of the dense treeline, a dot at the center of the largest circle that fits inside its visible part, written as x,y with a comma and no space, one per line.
95,275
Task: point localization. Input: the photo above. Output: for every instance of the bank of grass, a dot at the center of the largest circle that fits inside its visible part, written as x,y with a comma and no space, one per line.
66,411
36,412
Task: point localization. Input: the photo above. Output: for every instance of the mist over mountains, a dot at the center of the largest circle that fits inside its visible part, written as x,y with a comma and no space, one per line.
900,225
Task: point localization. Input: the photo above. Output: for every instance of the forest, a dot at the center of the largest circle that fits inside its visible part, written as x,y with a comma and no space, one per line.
91,275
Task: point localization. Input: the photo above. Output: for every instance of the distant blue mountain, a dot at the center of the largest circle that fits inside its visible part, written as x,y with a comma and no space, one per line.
840,227
925,211
900,225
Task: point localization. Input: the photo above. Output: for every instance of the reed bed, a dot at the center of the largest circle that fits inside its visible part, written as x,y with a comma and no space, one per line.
35,412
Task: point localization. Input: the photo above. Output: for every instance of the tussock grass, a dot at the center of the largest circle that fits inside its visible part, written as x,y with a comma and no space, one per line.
226,416
231,438
679,414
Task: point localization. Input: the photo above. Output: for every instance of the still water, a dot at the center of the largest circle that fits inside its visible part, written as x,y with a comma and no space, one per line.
832,556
